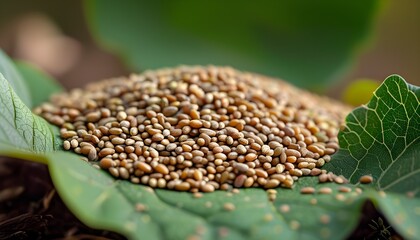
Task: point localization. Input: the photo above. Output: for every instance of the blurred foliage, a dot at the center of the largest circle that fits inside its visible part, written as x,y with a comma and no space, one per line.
42,86
305,42
359,91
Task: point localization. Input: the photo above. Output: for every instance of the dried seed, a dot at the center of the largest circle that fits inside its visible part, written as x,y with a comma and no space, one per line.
366,179
307,190
325,190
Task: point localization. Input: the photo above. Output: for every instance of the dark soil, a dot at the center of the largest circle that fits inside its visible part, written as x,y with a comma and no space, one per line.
30,208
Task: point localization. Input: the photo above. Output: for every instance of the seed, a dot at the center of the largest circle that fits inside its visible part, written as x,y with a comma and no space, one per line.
200,129
240,180
160,168
170,111
106,163
118,141
144,167
250,157
272,183
241,167
292,152
366,179
106,151
196,123
198,175
325,190
115,131
307,190
183,186
66,145
229,207
207,188
344,189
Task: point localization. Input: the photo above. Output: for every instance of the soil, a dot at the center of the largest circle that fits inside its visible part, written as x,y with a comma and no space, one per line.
30,208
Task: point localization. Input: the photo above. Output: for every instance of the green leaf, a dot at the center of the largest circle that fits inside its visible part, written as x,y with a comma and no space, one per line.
19,127
307,43
41,85
382,139
103,202
16,81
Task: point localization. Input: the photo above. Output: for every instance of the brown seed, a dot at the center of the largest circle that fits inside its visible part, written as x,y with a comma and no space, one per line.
106,151
160,168
106,163
344,189
118,141
239,180
183,186
196,123
307,190
144,167
325,190
272,183
207,188
250,157
229,207
366,179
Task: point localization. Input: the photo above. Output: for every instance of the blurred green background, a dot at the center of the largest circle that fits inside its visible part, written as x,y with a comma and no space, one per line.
324,46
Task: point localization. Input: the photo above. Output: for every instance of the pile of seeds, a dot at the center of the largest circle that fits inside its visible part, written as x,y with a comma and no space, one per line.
199,128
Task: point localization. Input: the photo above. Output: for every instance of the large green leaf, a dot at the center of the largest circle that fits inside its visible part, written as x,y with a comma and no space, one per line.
19,127
9,71
42,86
305,42
382,139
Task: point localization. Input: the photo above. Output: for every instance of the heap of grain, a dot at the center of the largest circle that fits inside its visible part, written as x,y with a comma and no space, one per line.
199,128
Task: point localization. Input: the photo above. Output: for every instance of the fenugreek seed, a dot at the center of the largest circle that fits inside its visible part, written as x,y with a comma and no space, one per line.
144,167
106,163
240,180
169,111
115,131
241,167
93,116
66,145
229,207
315,171
123,173
307,190
207,188
198,175
272,183
183,186
366,179
344,189
261,173
106,151
68,134
160,168
323,178
196,123
249,182
92,155
292,152
153,153
325,190
251,157
114,171
118,141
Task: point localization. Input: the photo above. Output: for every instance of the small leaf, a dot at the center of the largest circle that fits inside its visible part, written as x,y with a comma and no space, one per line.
41,85
16,81
382,139
19,127
307,43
